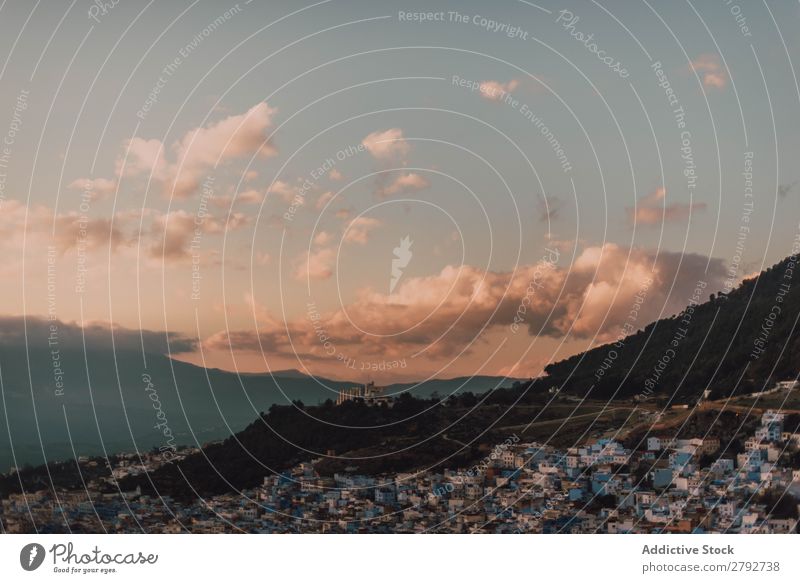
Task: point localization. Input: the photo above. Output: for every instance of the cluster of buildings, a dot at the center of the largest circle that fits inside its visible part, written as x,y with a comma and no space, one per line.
369,394
664,485
779,387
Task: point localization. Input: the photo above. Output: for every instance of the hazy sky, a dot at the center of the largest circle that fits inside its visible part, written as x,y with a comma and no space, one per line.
242,174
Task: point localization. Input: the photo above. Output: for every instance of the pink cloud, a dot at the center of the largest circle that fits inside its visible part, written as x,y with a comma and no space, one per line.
165,235
249,196
199,151
405,183
233,137
102,233
653,210
323,238
459,304
33,331
324,198
495,90
262,258
711,71
359,229
282,189
97,187
387,145
142,156
41,227
315,265
171,235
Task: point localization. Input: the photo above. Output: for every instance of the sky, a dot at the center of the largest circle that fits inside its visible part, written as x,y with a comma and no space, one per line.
389,190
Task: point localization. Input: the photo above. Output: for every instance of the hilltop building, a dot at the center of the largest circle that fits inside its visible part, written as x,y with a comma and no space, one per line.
369,394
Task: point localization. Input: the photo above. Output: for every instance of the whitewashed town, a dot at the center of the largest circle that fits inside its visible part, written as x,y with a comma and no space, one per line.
666,485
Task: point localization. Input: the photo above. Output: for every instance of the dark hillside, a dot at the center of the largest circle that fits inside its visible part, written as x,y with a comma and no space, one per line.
749,334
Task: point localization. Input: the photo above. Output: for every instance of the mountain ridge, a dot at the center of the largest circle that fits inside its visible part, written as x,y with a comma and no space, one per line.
686,351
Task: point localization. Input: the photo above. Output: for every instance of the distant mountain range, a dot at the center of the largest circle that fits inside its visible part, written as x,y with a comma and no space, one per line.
732,343
116,402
